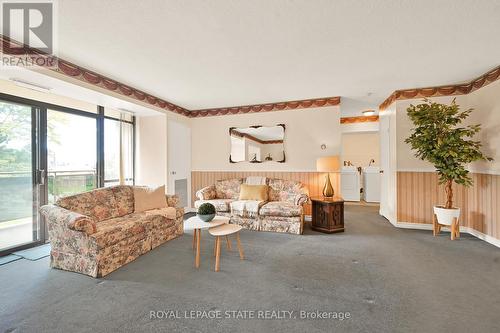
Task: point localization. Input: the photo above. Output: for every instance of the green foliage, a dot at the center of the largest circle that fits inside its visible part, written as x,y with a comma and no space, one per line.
439,138
206,209
15,135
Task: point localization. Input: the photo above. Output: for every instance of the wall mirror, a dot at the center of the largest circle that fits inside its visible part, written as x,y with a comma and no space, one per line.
257,144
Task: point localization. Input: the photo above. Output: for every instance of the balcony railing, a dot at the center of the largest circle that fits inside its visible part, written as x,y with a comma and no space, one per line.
63,182
16,190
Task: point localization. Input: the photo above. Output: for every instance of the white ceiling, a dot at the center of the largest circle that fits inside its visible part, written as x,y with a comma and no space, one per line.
201,54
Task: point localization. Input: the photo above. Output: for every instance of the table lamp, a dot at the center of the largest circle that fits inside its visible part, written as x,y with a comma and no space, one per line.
328,164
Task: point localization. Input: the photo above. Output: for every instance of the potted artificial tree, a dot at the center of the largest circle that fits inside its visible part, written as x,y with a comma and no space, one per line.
439,138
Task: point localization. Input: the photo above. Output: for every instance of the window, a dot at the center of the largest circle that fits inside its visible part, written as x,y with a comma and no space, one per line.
71,154
48,151
118,150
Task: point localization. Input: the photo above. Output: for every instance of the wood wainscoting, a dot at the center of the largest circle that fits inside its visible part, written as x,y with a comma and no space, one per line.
313,180
417,192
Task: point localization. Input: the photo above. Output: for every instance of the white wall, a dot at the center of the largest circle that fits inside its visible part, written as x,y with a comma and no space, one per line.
371,126
151,154
406,160
360,148
486,105
306,130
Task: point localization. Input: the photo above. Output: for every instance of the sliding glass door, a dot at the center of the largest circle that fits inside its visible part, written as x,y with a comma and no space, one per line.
19,224
49,151
71,154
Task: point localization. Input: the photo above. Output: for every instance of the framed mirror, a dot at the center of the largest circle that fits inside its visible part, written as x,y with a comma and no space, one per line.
257,144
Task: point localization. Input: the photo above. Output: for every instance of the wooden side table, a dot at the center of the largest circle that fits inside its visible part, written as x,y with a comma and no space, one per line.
224,231
196,224
328,214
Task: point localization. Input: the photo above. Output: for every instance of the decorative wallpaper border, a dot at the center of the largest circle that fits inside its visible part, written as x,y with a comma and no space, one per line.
358,119
291,105
450,90
90,77
85,75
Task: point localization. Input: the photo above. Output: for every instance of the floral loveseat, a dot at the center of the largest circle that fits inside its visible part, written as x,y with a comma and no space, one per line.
96,232
282,212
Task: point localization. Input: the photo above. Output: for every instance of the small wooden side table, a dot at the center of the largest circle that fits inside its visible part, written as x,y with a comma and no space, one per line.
328,214
224,231
196,224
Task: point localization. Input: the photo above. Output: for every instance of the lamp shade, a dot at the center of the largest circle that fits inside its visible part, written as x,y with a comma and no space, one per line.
328,164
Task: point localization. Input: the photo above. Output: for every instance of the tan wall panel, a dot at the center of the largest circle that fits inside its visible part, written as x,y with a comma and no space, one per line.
418,192
314,181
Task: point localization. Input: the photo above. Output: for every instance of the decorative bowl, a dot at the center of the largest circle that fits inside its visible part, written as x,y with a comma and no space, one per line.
206,217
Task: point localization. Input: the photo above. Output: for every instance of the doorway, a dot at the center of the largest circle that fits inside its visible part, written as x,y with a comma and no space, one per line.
46,151
19,190
179,161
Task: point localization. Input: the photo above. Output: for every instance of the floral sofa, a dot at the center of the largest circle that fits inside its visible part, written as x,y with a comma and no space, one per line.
96,232
282,212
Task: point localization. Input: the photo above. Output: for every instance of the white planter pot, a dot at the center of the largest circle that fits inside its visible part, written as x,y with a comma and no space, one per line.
446,216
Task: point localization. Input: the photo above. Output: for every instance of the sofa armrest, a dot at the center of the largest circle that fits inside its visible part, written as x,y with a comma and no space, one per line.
207,193
302,197
172,200
65,218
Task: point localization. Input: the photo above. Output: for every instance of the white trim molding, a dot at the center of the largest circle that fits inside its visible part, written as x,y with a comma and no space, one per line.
426,226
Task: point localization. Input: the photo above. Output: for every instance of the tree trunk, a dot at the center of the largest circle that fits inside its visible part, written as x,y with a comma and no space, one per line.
449,194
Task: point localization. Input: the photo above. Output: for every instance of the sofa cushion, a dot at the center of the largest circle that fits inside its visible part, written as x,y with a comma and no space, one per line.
246,208
124,196
253,192
221,205
146,198
284,190
207,193
99,204
228,189
280,208
114,230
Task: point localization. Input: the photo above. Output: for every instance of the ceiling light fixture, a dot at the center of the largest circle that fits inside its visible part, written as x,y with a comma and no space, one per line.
368,112
30,85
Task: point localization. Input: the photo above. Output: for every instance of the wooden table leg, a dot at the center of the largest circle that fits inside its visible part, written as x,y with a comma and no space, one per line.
198,237
239,246
434,225
194,239
454,229
217,257
228,243
215,247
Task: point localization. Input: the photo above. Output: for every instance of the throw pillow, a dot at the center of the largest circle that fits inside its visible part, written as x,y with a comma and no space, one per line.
146,198
253,192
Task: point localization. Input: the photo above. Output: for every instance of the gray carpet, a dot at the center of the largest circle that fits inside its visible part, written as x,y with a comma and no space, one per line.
388,279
